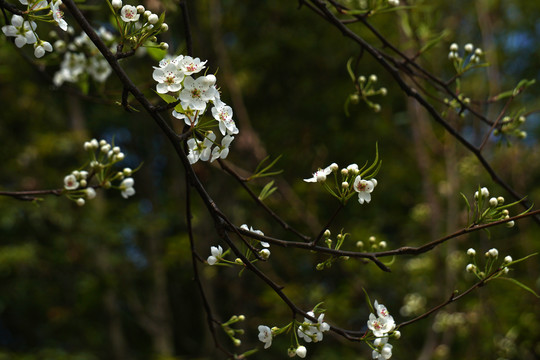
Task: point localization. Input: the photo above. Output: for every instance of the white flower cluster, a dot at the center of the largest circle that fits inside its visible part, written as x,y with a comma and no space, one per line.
83,59
363,187
77,184
24,28
176,75
382,325
308,331
265,252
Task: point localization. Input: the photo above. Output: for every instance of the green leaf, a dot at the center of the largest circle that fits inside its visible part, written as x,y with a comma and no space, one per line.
155,53
521,285
168,98
434,41
267,190
368,301
350,70
522,259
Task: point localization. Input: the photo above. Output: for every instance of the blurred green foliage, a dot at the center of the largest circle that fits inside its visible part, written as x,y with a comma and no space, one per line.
113,279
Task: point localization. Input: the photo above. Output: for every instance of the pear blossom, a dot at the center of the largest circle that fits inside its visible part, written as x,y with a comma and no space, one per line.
70,182
129,13
221,152
223,114
313,332
383,350
364,188
320,175
126,187
265,335
200,150
22,30
58,15
197,93
40,47
169,78
383,324
189,65
217,252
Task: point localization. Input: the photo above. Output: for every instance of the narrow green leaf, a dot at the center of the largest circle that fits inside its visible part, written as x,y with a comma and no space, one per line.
522,259
350,70
521,285
368,301
167,98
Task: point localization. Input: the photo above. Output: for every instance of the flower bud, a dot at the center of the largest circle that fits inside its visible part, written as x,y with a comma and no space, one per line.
237,342
506,270
301,351
344,172
469,47
164,27
373,78
326,233
507,259
510,224
264,254
485,192
354,98
493,202
470,268
90,193
116,4
153,18
493,253
361,79
345,185
359,244
382,244
140,9
397,334
500,200
80,201
163,46
471,252
372,239
376,107
238,261
383,91
478,52
454,47
83,183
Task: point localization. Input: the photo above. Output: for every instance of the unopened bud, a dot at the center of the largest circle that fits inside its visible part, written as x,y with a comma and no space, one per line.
469,47
454,47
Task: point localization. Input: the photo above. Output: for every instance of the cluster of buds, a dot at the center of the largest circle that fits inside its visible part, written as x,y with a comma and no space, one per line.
491,256
486,209
232,333
470,59
457,104
511,126
373,244
23,28
362,180
336,245
81,184
136,30
364,90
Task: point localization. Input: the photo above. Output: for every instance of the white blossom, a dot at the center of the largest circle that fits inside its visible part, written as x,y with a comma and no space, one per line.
70,182
126,187
364,189
22,30
169,78
320,175
216,252
265,335
58,15
129,13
